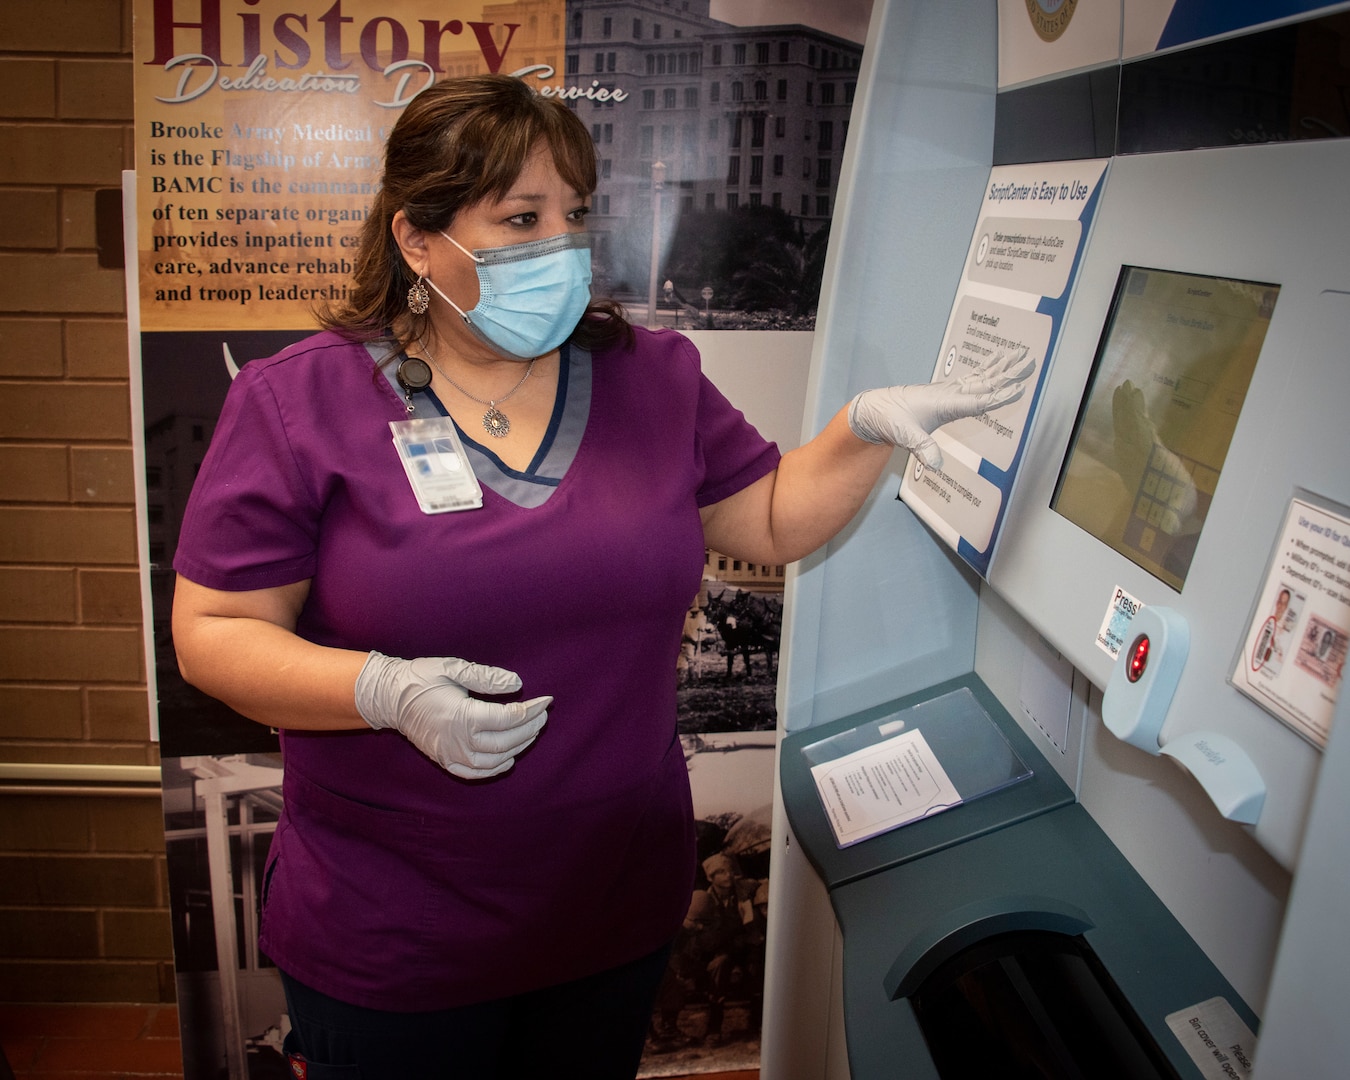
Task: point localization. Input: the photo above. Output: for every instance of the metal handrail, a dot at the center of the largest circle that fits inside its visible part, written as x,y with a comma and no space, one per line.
61,778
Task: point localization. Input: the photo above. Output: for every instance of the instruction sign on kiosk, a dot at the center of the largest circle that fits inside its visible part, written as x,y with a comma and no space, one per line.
1018,275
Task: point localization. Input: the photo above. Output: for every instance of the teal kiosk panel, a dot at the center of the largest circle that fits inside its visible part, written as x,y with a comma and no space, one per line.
1005,935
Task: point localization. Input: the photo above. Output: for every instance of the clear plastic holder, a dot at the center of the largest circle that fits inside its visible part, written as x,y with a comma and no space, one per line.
437,467
909,765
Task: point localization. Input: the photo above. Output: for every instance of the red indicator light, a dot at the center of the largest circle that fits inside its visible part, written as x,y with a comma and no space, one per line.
1138,659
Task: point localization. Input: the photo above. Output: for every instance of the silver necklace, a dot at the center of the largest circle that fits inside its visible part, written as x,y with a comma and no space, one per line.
494,420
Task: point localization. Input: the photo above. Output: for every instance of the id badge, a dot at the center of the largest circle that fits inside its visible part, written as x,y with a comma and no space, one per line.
437,467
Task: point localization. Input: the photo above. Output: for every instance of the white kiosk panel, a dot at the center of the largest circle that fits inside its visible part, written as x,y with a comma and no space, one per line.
1268,215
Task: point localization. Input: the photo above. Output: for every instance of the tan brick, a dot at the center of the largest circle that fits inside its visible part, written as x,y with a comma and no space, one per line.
104,217
141,935
31,712
161,1023
102,474
168,984
117,715
48,932
30,347
54,410
110,596
52,154
78,880
28,218
81,26
162,865
97,348
27,88
127,825
36,595
60,283
94,89
53,654
88,536
34,474
44,823
94,980
79,230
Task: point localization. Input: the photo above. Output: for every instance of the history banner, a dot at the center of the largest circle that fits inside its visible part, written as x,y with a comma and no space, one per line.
259,135
260,126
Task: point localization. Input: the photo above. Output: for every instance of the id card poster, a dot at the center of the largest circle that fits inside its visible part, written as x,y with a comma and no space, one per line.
1013,294
1292,660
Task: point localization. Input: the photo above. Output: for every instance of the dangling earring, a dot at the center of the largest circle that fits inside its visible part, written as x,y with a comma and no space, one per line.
418,297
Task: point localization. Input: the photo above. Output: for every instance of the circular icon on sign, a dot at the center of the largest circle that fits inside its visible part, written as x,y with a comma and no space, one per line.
982,250
918,467
951,359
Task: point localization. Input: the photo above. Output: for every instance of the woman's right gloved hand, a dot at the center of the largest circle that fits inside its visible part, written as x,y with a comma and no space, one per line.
906,416
428,700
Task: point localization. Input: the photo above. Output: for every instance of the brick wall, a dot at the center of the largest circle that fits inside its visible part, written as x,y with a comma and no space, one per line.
83,907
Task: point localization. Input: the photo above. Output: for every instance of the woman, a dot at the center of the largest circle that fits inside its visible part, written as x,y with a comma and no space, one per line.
482,861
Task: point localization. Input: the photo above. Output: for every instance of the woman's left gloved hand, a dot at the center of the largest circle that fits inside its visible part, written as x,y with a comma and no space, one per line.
430,701
906,416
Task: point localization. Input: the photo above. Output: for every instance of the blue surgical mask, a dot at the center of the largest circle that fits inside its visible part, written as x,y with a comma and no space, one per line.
530,296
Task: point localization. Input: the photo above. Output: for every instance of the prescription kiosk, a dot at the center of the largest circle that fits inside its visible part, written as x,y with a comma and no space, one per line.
1064,767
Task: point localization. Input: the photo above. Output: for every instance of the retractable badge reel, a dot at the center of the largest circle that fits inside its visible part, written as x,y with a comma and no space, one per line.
414,375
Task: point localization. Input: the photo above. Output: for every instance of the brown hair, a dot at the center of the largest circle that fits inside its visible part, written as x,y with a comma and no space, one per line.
457,143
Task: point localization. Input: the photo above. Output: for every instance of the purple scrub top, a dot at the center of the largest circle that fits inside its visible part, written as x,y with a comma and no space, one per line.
390,883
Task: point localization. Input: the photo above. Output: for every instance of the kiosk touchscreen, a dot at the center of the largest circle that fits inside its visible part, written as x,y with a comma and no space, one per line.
1171,373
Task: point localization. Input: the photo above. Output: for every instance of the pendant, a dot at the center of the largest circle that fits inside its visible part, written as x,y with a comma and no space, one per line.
496,423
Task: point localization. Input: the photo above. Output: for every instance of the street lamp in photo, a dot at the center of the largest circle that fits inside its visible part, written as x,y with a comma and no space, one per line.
658,186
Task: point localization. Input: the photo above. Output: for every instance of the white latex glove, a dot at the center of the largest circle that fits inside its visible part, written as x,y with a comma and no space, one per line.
428,701
905,416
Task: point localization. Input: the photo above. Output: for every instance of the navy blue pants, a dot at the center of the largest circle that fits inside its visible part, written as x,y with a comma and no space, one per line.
592,1028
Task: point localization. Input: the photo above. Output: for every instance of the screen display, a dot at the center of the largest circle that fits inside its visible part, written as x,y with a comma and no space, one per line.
1169,379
